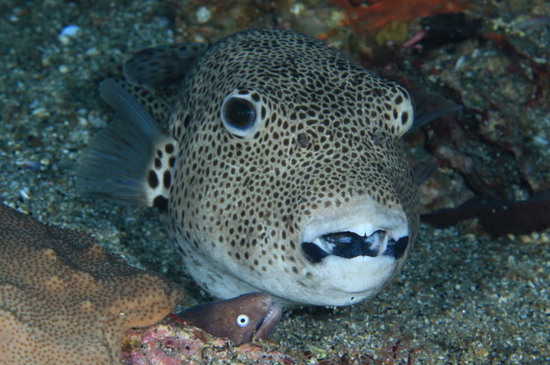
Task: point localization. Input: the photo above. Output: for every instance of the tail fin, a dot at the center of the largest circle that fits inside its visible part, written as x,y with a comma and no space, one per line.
130,161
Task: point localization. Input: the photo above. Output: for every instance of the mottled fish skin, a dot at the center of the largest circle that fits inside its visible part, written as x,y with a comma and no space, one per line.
172,65
241,319
284,171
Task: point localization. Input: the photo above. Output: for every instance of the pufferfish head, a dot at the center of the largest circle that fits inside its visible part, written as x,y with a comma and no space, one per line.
291,178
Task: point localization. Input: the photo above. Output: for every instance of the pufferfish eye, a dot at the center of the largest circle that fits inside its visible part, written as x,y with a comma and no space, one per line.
243,320
240,112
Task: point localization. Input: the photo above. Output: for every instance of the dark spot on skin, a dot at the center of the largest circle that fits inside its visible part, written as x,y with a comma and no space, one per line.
161,203
404,118
158,163
302,140
187,120
169,148
167,179
152,179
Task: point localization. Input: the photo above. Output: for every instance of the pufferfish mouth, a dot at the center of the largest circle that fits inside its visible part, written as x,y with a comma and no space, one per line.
353,243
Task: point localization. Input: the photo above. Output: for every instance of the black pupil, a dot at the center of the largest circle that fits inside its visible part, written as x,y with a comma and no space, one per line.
239,113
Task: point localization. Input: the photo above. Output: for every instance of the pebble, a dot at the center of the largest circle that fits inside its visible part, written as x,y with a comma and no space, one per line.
68,33
203,14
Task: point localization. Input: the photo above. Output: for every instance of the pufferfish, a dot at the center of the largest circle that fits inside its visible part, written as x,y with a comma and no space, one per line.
281,169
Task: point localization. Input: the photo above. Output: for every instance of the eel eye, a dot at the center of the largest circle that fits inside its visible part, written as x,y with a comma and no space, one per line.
243,320
241,112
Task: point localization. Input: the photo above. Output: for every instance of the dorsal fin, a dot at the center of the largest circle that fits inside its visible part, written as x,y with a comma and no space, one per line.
163,66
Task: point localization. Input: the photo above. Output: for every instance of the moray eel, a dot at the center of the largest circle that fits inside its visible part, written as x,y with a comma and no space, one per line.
281,169
241,319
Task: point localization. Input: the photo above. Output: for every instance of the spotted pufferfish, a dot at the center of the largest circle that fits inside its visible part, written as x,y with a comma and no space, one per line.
282,170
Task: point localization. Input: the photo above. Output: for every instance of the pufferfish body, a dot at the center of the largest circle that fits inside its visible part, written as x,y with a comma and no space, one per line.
281,171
